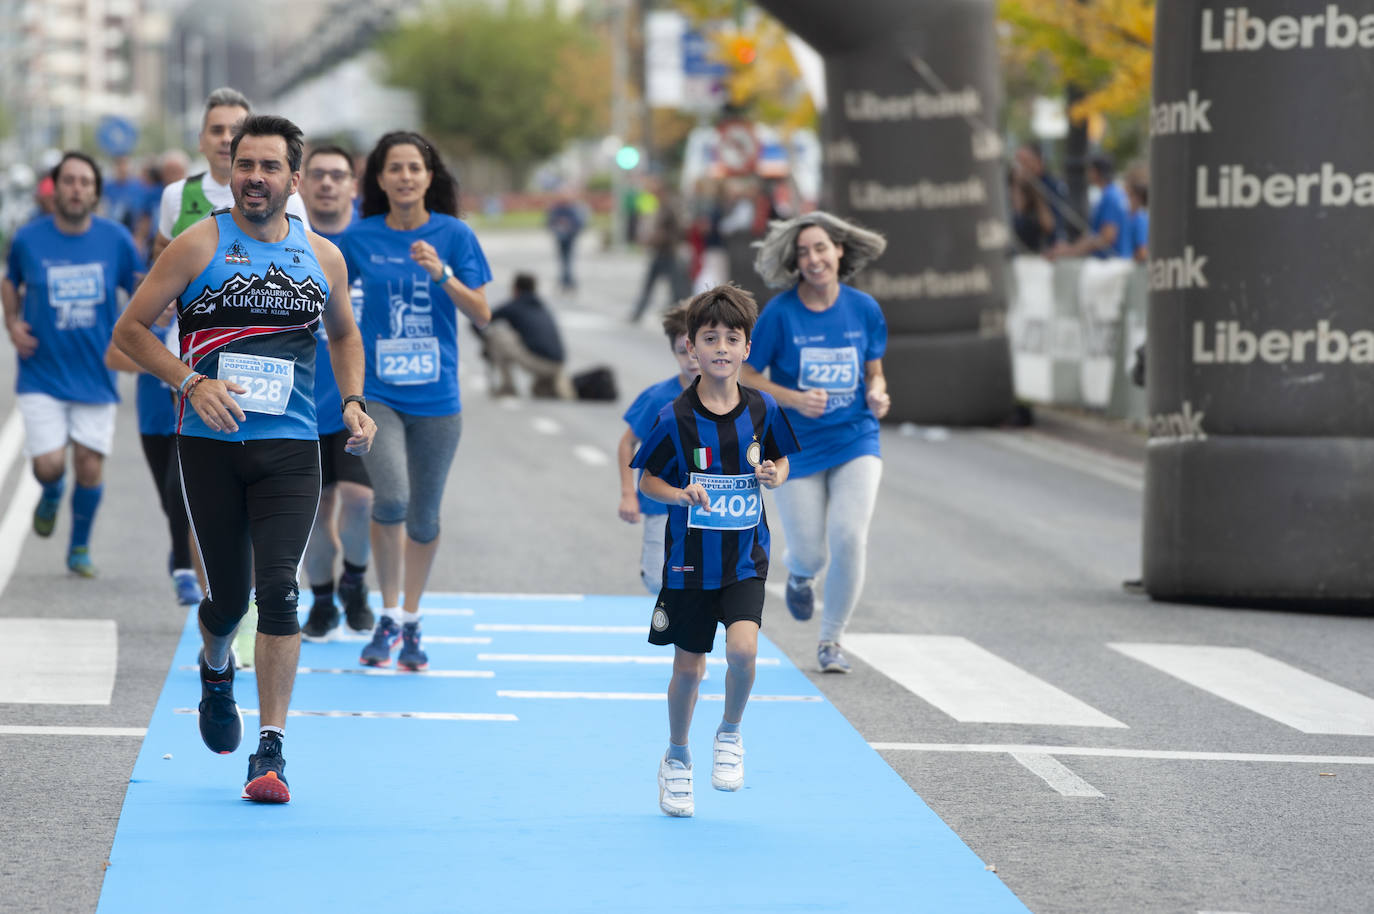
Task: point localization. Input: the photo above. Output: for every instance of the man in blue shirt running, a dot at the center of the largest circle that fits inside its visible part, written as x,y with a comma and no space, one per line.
60,302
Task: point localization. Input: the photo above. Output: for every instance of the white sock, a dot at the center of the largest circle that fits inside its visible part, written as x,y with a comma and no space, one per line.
408,618
393,614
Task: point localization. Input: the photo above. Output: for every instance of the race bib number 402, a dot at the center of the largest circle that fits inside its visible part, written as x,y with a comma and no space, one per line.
833,370
267,380
735,503
408,360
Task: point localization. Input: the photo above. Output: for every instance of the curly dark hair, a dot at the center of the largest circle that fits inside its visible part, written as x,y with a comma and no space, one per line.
442,196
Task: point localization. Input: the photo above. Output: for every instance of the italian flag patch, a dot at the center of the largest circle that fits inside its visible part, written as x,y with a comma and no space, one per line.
701,458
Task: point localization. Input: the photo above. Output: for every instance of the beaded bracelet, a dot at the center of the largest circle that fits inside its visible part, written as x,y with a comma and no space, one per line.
190,390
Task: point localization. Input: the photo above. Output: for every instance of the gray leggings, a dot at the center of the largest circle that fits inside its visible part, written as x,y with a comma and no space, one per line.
409,463
829,512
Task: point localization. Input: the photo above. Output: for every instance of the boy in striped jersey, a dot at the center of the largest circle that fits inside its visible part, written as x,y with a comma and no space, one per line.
706,458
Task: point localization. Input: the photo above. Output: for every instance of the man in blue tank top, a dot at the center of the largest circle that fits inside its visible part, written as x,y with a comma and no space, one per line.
60,301
251,284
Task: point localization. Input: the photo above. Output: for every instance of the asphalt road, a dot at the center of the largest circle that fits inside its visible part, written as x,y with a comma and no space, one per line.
1132,781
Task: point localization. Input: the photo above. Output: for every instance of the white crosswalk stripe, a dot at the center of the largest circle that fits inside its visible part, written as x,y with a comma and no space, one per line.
971,684
1262,684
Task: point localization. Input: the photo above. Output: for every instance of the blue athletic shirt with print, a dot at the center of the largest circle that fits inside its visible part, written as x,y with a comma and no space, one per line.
409,324
328,400
68,286
804,349
157,414
641,416
250,316
688,443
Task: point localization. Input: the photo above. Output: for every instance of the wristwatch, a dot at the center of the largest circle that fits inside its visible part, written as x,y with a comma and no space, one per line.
445,276
355,398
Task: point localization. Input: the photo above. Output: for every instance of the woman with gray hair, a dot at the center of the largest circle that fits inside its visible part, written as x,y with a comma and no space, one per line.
821,343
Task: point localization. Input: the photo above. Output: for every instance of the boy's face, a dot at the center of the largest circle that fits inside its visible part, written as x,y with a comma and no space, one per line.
720,351
686,360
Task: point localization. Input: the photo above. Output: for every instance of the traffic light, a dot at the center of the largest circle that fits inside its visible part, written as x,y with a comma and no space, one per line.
627,157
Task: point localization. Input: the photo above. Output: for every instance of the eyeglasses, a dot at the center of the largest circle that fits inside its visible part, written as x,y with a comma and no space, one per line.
337,175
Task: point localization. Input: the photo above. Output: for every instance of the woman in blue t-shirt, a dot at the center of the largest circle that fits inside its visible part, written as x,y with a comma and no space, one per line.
419,266
822,344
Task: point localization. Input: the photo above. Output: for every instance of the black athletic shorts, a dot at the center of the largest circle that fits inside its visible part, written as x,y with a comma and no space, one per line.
337,465
688,618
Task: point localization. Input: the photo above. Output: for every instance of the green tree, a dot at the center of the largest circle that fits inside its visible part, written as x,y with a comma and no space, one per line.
512,83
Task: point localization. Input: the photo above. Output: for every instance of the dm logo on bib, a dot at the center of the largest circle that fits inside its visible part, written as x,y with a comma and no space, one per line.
660,619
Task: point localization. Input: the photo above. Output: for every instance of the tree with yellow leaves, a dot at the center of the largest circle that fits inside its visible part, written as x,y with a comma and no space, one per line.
1103,47
763,80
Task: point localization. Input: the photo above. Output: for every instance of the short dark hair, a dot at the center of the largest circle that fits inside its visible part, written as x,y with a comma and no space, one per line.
726,305
675,321
1102,164
442,196
81,156
271,125
331,149
524,282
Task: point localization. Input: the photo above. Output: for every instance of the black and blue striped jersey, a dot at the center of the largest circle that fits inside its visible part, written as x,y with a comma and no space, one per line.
707,550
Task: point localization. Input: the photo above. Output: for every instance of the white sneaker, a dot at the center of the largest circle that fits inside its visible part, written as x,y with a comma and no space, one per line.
727,762
675,788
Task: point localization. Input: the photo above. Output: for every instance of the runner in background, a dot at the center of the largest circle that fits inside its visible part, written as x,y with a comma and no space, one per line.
60,298
328,187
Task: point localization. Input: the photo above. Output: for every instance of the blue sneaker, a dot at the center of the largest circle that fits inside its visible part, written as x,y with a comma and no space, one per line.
384,638
79,562
221,724
45,515
800,598
187,587
267,773
411,656
831,659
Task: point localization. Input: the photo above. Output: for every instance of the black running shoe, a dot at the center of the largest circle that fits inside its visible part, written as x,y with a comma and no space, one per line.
353,594
221,724
267,774
320,624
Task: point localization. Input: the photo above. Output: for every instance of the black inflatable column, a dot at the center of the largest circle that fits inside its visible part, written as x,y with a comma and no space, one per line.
1260,472
913,89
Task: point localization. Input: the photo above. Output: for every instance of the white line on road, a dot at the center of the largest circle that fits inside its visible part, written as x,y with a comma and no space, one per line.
592,456
560,629
971,684
606,658
382,715
1053,772
1123,472
1163,754
642,696
1262,684
447,612
545,426
428,638
57,661
18,730
14,526
374,671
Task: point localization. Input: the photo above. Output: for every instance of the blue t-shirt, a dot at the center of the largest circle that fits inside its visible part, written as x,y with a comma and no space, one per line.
125,201
690,444
641,416
409,324
1140,229
157,413
251,316
328,400
68,294
1112,207
827,349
